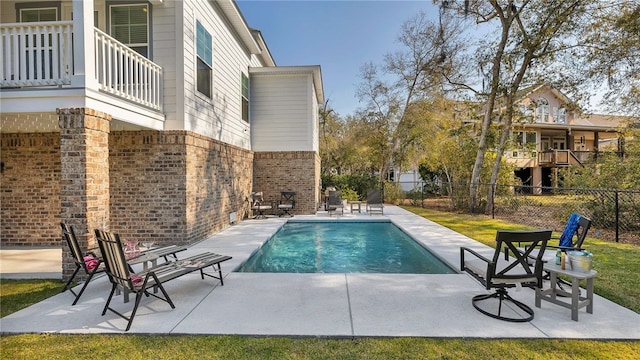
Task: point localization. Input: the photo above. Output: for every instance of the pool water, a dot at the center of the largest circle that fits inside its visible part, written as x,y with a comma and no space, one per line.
343,247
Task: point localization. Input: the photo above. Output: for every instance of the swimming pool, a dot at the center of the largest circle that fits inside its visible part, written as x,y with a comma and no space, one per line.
343,247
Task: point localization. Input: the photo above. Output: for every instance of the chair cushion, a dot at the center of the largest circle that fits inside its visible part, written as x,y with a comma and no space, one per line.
137,280
90,262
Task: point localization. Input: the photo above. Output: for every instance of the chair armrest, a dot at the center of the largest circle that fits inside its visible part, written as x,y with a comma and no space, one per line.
472,252
564,248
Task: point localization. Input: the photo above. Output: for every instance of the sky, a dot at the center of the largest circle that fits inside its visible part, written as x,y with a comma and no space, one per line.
338,35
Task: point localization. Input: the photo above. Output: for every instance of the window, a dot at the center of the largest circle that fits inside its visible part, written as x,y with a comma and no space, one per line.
542,111
204,59
36,15
129,24
245,98
559,115
525,140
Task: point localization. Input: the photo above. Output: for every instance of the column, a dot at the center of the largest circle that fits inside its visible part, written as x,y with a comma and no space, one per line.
84,178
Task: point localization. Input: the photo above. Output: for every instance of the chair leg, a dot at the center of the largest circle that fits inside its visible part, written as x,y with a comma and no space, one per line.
135,308
502,295
66,286
86,282
106,306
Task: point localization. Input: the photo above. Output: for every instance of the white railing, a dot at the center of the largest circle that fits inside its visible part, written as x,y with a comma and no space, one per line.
41,54
36,54
123,72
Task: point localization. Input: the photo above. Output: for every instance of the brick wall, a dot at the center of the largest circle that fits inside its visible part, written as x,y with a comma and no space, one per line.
30,189
297,171
175,186
219,180
84,180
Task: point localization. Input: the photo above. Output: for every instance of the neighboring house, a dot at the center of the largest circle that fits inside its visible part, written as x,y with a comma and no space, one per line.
551,136
153,119
547,135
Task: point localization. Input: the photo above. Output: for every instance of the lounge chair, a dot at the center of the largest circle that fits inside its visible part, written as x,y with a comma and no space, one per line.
89,262
287,203
500,274
121,276
334,202
258,205
374,202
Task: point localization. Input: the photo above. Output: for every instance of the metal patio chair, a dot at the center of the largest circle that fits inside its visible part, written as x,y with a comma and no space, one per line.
500,274
89,262
374,201
259,206
287,203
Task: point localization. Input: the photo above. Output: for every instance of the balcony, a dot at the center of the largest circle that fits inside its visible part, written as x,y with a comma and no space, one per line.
561,158
40,55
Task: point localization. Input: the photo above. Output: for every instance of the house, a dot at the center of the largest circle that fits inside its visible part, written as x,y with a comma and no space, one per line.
547,135
153,119
550,135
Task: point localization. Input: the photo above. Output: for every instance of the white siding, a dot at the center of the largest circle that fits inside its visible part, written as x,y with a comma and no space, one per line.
282,113
221,116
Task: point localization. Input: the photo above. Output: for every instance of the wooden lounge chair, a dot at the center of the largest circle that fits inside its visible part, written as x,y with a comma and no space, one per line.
89,262
500,274
121,276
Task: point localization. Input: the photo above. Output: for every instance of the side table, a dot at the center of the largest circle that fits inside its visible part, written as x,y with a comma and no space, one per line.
356,205
577,301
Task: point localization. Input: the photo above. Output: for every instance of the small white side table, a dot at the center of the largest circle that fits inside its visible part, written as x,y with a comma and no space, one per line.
577,301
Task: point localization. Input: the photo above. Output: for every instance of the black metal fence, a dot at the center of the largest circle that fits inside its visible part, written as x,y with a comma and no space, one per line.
615,214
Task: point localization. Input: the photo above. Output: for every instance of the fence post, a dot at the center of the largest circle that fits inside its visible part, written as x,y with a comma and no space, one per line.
617,217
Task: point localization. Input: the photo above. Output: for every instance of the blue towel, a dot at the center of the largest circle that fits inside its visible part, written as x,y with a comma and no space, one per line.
566,239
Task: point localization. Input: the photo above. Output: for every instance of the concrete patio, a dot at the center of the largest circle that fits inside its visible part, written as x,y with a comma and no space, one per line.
323,305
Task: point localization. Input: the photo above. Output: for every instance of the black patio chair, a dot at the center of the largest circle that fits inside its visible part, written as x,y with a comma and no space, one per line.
287,203
501,274
89,262
374,202
572,238
120,274
334,202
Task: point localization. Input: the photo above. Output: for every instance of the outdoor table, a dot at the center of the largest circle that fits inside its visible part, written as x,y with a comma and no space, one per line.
577,301
357,205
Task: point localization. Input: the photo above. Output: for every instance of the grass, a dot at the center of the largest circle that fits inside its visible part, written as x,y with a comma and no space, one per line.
617,264
17,294
31,346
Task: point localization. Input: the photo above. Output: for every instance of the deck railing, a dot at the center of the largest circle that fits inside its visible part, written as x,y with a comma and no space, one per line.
41,54
123,72
36,54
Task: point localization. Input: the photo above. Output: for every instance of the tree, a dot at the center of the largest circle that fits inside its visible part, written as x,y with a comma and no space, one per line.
530,35
612,53
410,75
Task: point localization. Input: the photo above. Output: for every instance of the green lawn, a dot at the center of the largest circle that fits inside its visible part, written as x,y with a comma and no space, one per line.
17,294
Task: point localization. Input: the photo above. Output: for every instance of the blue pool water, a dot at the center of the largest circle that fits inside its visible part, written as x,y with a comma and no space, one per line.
343,247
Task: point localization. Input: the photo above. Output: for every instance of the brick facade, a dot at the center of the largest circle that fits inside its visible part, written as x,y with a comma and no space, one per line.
297,171
171,186
30,189
175,186
84,180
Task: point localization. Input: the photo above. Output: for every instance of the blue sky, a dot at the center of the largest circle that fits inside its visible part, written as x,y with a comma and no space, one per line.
338,35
